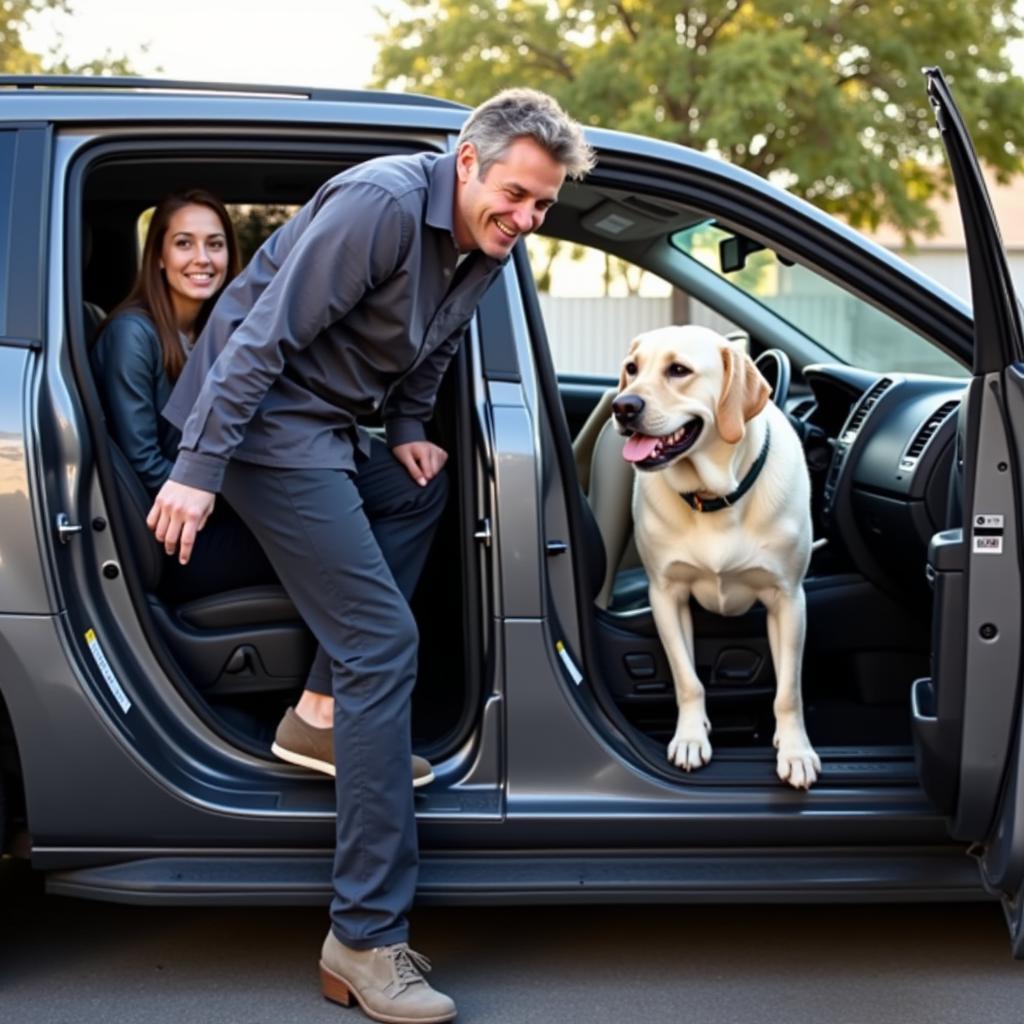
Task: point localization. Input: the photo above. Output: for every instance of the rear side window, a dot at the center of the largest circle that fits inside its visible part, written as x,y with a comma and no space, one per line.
7,200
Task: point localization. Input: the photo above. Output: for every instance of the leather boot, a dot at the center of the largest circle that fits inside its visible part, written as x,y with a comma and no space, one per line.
387,982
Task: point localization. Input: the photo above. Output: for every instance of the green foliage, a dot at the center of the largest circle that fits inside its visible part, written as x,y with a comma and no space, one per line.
825,96
254,224
15,59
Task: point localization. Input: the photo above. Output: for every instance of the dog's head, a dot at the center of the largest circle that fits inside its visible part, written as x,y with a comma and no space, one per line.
680,388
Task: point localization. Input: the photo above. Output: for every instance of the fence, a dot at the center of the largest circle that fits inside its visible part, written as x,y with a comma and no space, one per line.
591,335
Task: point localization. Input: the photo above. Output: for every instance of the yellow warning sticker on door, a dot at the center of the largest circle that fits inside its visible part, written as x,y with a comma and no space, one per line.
106,671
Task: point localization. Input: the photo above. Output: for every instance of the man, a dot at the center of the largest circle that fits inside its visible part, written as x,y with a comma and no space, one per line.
356,307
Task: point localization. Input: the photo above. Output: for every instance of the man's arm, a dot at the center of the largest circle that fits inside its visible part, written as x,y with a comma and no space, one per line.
409,407
411,403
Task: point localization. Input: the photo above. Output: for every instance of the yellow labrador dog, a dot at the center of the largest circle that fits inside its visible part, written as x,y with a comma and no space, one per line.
722,513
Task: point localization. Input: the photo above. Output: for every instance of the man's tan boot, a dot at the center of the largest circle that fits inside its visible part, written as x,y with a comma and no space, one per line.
386,982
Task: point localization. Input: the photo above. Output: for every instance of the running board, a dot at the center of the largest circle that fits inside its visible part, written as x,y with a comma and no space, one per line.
715,876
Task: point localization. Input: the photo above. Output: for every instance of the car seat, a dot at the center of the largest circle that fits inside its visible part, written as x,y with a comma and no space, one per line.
243,641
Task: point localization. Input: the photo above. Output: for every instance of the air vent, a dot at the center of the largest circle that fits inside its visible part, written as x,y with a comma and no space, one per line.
864,408
803,408
927,432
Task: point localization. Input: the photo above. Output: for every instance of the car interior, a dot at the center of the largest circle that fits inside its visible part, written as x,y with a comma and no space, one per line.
879,453
880,457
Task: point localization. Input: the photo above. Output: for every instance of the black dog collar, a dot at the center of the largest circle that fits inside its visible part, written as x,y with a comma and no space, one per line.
699,504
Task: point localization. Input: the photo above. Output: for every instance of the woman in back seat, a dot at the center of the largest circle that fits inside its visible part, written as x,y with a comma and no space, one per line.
189,256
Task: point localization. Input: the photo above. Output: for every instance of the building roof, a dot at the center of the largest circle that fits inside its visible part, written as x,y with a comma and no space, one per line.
1007,202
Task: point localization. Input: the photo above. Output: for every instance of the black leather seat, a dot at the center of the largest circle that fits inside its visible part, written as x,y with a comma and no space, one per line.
241,641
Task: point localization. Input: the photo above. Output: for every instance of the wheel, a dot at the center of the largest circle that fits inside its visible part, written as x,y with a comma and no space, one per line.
775,367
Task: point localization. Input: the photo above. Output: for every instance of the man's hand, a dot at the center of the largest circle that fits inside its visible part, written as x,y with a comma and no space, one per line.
178,514
422,459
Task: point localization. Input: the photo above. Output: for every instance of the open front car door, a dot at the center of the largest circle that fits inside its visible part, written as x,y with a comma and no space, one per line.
967,715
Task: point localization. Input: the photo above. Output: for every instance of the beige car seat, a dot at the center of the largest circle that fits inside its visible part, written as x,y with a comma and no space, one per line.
607,480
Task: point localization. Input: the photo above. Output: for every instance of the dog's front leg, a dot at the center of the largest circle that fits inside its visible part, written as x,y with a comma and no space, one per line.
689,747
796,761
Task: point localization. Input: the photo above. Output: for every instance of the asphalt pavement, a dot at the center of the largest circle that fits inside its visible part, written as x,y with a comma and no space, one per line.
65,961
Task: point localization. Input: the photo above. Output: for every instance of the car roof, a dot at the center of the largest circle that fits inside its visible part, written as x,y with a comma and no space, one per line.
85,99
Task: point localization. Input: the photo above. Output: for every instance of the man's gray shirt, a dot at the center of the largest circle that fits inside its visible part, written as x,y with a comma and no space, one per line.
353,307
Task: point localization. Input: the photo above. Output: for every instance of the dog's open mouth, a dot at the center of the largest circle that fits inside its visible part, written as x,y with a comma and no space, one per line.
646,452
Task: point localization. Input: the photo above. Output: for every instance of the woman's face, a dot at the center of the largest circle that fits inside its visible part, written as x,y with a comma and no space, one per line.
194,257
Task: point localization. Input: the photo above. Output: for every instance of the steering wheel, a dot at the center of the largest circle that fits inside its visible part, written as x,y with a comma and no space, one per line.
773,364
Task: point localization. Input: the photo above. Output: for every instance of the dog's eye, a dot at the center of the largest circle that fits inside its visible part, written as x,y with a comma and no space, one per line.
678,370
630,369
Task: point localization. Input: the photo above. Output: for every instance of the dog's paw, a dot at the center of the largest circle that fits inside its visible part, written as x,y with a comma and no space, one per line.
798,765
690,747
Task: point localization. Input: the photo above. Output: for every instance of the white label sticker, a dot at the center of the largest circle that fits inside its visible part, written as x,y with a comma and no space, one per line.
570,667
105,670
991,522
988,545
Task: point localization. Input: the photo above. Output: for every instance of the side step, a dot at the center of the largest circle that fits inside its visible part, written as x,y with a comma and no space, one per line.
710,876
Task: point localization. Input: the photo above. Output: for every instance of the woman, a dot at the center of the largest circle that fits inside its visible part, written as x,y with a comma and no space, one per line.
190,255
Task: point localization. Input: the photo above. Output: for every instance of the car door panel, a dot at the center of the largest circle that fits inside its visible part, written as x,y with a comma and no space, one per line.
981,787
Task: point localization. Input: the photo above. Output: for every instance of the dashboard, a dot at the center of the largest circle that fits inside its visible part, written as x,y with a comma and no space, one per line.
889,485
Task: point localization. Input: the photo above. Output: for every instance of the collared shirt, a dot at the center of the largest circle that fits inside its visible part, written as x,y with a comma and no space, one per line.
353,307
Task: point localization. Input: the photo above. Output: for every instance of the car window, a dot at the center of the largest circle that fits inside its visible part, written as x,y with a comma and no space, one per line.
848,327
594,303
7,193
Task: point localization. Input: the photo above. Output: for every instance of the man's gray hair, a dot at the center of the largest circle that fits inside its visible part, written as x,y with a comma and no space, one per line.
527,114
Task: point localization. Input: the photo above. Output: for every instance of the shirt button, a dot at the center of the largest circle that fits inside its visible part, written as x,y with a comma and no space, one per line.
447,272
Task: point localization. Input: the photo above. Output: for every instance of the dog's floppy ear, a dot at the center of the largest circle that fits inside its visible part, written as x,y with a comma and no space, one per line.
744,394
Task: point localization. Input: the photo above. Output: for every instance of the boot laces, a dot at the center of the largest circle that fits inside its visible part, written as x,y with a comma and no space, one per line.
409,965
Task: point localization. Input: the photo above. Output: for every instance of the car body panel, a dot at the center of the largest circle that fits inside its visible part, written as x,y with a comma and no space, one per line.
23,582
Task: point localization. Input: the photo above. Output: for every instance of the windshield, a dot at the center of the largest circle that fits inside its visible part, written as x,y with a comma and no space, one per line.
849,328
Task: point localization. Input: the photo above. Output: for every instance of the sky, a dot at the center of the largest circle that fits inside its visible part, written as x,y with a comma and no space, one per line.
291,42
284,42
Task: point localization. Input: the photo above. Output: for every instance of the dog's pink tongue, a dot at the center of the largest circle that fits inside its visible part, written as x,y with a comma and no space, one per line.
639,447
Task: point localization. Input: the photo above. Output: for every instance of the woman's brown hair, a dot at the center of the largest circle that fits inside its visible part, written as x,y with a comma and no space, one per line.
150,293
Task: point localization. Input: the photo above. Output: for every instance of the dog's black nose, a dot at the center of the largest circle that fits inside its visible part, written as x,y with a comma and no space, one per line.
626,408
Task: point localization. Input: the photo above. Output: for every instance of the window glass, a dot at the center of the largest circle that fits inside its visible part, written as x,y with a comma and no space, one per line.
594,304
6,201
852,330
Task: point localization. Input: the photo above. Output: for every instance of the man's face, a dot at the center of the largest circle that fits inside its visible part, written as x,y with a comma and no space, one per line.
511,200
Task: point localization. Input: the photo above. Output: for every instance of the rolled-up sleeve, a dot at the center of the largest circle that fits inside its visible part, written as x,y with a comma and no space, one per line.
354,241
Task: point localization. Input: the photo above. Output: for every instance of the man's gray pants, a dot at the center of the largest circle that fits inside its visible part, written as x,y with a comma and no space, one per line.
349,549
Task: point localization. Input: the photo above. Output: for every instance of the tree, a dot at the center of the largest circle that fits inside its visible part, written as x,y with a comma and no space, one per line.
15,19
824,96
